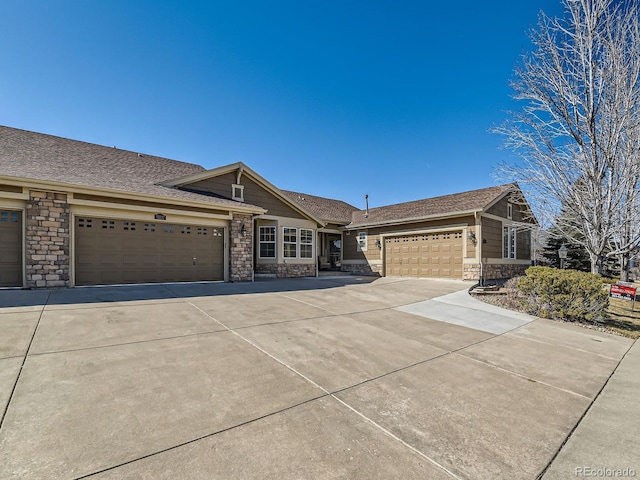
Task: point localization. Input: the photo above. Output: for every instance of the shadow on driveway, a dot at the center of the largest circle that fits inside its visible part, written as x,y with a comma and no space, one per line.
162,291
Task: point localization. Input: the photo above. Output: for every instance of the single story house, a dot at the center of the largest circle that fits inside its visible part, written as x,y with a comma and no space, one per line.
74,213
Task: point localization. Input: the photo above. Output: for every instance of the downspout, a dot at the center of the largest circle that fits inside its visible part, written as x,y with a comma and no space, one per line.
479,248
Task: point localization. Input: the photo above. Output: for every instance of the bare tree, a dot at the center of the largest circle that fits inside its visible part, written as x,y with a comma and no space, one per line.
577,133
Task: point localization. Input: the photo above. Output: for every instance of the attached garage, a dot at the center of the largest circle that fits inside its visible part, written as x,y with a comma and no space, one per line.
11,251
112,251
437,254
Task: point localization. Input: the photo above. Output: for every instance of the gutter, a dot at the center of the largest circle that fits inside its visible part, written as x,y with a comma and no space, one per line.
411,220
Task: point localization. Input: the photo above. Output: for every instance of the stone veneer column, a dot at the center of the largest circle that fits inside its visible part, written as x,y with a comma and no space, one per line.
241,251
47,238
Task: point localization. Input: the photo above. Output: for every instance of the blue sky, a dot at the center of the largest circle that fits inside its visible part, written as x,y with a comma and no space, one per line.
335,98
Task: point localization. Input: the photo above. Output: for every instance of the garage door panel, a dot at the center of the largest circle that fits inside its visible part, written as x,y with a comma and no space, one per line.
428,255
123,251
11,248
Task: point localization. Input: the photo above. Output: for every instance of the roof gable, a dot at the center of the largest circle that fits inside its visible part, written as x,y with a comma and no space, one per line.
218,182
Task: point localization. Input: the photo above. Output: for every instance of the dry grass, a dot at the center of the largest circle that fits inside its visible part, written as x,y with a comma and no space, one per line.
620,320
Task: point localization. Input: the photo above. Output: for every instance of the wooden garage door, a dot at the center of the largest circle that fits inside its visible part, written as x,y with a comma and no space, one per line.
437,254
109,251
10,248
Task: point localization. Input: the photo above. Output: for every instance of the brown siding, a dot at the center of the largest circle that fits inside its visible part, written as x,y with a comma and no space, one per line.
254,194
471,248
500,210
350,247
159,206
492,234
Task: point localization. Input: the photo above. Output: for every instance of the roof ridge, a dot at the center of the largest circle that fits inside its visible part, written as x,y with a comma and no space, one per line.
438,197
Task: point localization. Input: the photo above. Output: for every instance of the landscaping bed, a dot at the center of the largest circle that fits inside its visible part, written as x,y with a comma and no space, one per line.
619,318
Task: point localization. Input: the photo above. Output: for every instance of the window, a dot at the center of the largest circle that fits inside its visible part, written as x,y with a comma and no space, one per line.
11,217
237,192
509,242
267,242
290,242
509,211
306,243
362,241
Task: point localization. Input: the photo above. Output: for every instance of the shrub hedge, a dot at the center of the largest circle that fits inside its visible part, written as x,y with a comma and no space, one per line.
563,294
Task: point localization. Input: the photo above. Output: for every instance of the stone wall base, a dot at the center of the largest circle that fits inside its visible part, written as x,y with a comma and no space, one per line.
363,269
287,270
493,271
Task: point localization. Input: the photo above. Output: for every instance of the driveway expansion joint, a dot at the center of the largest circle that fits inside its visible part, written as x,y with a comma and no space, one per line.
582,417
335,397
24,359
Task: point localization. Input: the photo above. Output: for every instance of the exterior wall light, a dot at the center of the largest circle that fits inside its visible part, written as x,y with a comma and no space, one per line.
378,243
243,230
472,237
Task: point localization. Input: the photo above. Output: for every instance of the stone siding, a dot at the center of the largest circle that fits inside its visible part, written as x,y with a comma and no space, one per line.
287,270
496,271
241,252
47,240
471,271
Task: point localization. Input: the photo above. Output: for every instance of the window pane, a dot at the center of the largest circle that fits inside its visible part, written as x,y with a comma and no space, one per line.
505,242
289,234
290,250
306,236
267,250
306,251
267,234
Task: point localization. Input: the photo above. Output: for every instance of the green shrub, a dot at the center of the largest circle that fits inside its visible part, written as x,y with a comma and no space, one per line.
563,294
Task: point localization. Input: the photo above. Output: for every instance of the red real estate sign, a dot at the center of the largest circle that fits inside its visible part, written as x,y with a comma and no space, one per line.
623,292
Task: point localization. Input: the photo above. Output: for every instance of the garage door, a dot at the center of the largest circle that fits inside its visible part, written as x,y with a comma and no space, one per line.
11,250
437,254
109,251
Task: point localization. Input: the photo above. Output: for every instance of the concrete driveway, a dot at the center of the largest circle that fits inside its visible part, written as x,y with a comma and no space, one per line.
313,378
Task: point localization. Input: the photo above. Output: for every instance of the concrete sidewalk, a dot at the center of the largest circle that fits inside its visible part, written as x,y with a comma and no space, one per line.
459,308
606,442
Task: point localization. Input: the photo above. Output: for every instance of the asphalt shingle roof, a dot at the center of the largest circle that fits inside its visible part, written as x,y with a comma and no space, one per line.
326,209
49,158
436,206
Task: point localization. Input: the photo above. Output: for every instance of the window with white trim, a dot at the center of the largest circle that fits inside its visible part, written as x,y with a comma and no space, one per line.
509,242
362,241
306,243
509,211
237,192
290,242
267,242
